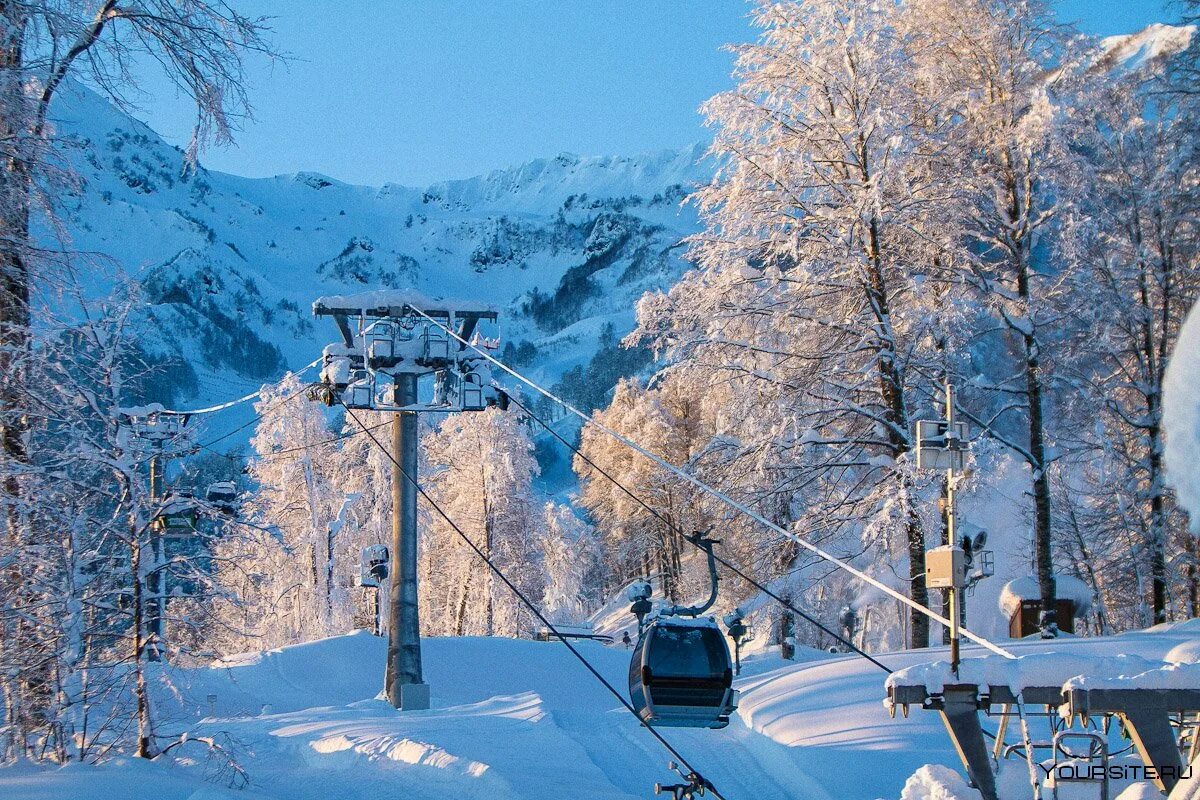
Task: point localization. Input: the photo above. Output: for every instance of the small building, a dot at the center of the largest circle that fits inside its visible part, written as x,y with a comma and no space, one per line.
1021,604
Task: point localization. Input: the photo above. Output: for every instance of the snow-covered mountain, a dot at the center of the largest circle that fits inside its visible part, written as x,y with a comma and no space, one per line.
231,265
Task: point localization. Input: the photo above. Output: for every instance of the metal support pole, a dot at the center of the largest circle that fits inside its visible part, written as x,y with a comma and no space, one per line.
154,580
952,593
405,687
376,626
954,638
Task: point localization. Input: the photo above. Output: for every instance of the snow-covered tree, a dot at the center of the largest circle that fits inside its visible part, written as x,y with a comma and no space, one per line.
43,45
569,556
1139,238
99,587
480,471
298,504
808,299
994,68
648,545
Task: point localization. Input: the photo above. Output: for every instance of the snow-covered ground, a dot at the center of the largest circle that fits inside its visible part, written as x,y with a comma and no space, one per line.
522,719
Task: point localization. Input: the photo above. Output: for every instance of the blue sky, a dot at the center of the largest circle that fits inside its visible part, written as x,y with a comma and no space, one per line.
421,90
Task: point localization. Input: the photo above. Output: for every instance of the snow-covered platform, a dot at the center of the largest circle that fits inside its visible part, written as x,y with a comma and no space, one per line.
1151,700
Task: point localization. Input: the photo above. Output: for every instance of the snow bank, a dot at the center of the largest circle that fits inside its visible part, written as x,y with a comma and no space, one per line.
1186,653
1181,417
1066,587
935,782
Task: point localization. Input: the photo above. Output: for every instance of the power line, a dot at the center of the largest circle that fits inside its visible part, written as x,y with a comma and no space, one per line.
257,416
724,498
267,456
672,526
533,608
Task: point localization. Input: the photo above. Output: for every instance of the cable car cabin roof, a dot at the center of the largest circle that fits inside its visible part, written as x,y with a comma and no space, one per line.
681,674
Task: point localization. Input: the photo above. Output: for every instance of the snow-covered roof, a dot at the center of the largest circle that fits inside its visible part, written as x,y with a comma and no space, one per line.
1067,587
390,298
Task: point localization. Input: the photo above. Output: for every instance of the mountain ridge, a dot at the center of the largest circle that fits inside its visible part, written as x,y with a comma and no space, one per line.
229,265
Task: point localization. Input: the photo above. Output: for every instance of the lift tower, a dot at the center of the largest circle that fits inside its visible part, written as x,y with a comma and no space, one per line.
388,344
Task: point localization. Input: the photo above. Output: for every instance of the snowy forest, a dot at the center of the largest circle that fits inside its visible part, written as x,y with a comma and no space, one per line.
904,196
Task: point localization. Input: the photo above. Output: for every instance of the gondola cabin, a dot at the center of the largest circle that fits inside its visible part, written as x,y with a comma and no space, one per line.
681,675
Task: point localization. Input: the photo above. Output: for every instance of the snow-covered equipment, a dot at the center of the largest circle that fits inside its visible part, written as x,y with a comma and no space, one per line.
151,426
1021,604
945,568
681,674
1090,766
373,566
980,563
1155,702
940,446
359,393
739,632
390,340
222,494
694,784
435,347
467,387
392,337
581,630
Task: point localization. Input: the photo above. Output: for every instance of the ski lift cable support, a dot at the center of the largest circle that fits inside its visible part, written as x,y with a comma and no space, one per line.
724,498
533,608
721,560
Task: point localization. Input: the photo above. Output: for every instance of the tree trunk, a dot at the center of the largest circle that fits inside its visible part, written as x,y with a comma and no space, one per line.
1043,554
891,391
460,615
14,344
145,744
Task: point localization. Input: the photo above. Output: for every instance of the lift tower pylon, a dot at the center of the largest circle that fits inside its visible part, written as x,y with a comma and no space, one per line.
404,638
387,345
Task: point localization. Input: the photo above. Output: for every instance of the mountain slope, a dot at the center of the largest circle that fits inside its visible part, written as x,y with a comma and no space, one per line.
230,265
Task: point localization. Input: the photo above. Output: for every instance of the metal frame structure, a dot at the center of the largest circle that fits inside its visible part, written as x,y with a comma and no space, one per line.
1144,715
387,345
156,426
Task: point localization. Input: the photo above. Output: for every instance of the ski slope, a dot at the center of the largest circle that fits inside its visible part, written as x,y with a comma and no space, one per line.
522,719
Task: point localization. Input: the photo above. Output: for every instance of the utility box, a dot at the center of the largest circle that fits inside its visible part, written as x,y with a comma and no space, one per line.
945,568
